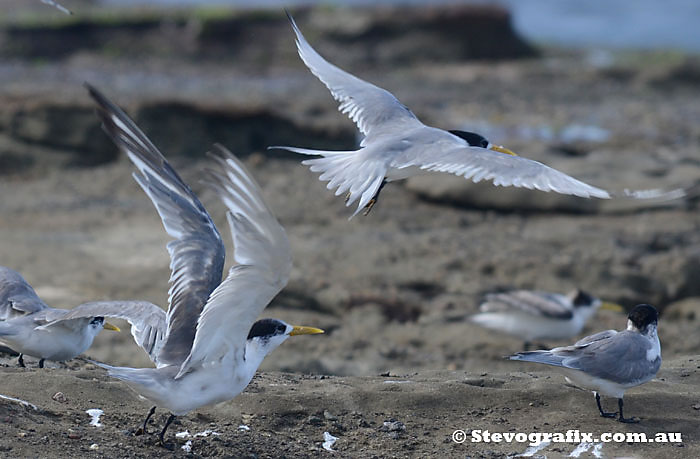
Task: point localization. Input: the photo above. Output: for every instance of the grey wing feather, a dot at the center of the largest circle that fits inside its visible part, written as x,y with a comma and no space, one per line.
197,253
536,303
17,297
480,164
148,321
369,106
607,334
264,260
620,358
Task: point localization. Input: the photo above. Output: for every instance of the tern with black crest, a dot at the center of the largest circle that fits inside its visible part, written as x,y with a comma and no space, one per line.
533,315
30,327
609,362
213,344
396,145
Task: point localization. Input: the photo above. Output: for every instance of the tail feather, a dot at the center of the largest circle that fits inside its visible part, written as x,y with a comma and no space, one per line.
356,172
544,357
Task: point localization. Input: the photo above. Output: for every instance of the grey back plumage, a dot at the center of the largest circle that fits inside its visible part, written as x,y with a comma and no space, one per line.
620,357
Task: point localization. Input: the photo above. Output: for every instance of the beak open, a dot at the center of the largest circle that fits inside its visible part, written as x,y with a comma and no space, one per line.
612,307
108,326
501,149
302,330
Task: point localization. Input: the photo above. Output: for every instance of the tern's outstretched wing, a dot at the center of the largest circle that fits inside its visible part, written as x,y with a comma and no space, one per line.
17,297
197,253
531,302
148,321
480,164
264,261
369,106
57,6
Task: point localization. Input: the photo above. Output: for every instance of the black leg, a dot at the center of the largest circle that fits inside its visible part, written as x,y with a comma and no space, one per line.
20,360
374,199
162,433
600,408
143,429
41,363
631,420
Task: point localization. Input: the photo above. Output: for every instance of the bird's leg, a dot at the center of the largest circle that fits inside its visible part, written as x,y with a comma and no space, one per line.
631,420
374,199
526,346
347,197
162,432
41,363
143,430
600,408
20,361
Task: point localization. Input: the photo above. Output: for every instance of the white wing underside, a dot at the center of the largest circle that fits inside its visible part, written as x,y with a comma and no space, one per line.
361,172
262,251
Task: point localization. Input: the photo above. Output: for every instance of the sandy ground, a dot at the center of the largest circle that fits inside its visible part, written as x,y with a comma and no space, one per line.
394,289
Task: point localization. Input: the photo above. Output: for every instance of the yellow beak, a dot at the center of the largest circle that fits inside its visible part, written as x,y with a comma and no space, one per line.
612,307
302,330
501,149
108,326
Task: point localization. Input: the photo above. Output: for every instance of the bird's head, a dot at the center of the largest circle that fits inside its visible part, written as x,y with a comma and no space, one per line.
584,300
266,334
643,319
96,325
478,140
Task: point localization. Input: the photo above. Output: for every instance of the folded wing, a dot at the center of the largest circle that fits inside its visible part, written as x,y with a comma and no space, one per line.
535,303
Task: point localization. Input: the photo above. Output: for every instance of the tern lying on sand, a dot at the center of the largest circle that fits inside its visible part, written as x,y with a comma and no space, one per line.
213,345
534,315
397,145
609,362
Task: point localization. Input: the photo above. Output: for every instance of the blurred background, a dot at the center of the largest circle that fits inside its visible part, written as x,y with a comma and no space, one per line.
605,91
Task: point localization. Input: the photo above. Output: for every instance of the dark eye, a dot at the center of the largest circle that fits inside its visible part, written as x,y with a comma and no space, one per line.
97,321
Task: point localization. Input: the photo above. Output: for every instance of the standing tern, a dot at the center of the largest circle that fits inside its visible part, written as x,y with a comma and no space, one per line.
213,345
609,362
397,145
535,315
29,326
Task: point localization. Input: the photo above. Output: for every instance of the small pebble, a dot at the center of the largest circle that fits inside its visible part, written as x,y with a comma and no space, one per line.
329,416
60,397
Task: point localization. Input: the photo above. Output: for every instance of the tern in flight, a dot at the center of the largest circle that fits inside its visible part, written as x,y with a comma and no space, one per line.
396,145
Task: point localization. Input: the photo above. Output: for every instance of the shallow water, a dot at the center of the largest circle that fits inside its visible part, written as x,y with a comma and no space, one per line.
633,24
